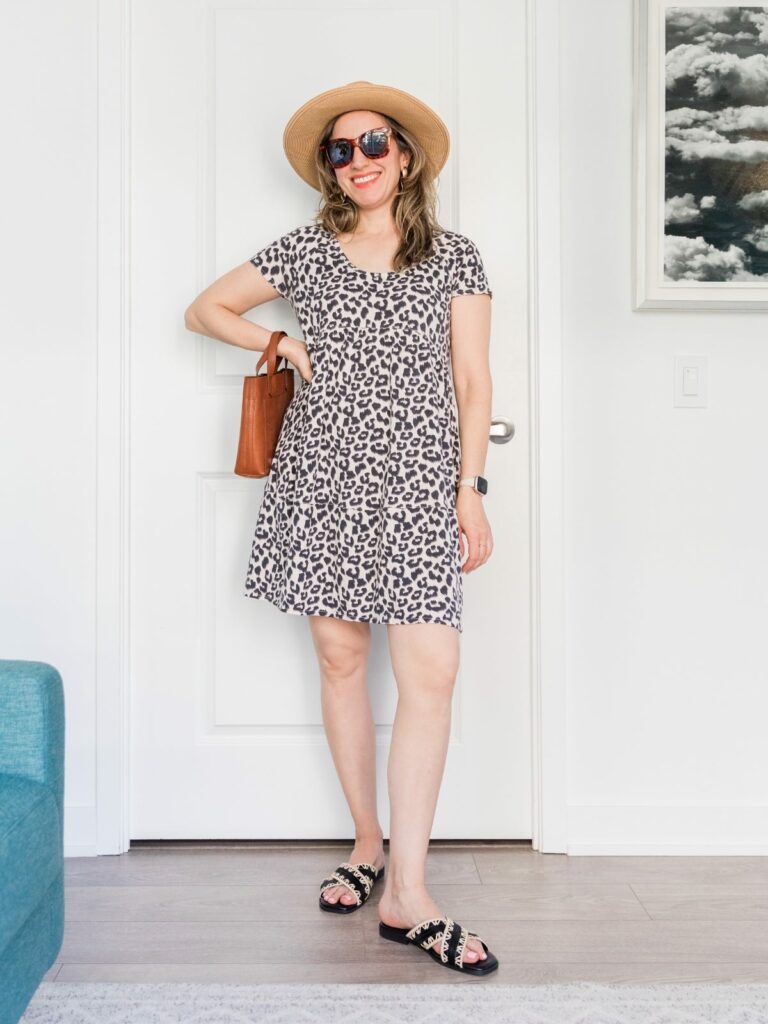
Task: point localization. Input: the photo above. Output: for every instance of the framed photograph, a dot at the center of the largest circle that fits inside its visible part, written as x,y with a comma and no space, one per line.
700,202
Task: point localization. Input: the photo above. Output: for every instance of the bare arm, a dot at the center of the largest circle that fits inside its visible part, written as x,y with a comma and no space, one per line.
470,344
217,313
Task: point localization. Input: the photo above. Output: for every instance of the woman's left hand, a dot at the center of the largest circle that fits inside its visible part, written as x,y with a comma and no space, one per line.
474,529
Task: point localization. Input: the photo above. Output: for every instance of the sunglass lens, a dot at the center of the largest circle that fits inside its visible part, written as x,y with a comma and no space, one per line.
375,143
340,152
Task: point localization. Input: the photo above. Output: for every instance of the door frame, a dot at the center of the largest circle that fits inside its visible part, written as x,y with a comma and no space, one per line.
113,669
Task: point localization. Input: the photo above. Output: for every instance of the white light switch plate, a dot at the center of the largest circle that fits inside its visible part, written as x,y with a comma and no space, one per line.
691,381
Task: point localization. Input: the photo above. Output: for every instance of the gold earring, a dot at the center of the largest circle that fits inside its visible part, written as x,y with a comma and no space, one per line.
403,174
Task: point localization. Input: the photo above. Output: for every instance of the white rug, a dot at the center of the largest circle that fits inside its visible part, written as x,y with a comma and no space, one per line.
471,1001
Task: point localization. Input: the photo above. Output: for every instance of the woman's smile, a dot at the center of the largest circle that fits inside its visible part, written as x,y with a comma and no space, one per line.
364,181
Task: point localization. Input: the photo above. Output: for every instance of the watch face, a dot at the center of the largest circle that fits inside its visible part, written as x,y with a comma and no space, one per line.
482,485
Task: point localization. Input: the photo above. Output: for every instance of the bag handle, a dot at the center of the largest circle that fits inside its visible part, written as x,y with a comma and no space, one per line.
272,358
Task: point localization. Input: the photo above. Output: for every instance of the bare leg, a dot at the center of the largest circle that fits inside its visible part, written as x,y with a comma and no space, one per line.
425,660
342,649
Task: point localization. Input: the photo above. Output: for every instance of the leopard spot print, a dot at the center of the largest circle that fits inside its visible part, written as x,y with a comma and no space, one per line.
357,519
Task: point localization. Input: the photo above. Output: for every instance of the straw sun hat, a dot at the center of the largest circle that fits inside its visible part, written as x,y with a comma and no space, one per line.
302,133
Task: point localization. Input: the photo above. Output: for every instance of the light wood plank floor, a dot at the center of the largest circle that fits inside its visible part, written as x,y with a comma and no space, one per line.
247,913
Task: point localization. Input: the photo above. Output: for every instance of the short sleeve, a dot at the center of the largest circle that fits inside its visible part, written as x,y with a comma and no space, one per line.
469,277
276,263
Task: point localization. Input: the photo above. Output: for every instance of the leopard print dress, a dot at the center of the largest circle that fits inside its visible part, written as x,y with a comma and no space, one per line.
358,515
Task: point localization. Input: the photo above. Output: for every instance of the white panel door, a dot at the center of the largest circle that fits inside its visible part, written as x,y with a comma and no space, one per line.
227,738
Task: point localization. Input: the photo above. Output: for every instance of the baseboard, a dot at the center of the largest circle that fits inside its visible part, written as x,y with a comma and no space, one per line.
706,830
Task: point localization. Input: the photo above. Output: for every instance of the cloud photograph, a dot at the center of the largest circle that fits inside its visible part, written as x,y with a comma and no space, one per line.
716,144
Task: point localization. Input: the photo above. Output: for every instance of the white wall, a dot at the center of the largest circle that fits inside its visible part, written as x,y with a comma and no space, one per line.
48,370
666,512
665,508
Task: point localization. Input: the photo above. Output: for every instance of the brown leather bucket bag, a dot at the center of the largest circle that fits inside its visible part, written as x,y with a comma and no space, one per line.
266,396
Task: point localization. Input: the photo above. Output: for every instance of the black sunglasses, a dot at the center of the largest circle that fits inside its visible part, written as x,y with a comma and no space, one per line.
374,144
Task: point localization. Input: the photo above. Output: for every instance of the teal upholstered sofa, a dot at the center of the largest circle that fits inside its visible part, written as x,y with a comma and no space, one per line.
31,829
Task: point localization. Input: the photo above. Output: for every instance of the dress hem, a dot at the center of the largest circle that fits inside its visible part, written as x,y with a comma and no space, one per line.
346,618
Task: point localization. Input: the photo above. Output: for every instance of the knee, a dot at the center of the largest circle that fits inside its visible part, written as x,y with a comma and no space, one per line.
439,676
342,654
433,676
339,661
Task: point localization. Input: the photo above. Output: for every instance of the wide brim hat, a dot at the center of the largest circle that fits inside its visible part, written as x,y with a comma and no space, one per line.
303,132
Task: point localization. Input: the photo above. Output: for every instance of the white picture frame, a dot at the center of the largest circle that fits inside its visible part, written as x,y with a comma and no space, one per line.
718,258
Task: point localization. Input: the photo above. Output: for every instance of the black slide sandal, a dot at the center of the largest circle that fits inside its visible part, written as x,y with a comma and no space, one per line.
449,937
358,878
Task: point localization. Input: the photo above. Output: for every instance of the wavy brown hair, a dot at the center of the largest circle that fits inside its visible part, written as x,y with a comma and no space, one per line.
413,208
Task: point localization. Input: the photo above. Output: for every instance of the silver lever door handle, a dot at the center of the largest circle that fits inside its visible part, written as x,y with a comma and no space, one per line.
502,430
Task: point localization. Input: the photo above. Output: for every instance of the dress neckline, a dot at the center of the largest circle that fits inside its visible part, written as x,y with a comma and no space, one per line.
336,244
360,270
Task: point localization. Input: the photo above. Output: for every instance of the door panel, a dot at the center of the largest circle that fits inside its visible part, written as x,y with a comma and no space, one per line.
227,739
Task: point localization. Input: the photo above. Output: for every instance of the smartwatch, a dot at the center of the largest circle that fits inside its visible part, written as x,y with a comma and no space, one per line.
479,483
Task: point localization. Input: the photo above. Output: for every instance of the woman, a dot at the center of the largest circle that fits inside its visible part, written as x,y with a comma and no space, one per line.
373,484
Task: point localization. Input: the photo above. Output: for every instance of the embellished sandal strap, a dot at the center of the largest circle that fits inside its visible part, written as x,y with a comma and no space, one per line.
454,944
356,877
461,947
328,883
427,932
368,870
448,937
338,878
449,926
